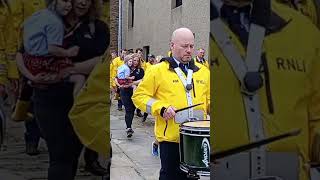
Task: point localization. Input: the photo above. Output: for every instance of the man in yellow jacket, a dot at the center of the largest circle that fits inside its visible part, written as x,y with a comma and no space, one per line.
162,91
200,57
284,90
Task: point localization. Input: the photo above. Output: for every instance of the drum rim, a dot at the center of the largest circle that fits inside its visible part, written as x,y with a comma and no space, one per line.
184,167
193,128
196,135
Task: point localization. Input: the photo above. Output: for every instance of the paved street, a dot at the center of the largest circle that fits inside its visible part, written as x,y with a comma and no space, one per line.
16,165
132,158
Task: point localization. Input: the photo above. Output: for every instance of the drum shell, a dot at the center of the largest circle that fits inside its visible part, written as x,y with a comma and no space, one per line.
195,148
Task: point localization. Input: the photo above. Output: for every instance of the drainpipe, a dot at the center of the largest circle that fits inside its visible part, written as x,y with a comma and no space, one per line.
120,26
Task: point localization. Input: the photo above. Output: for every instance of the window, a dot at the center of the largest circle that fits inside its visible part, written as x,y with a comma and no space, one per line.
131,13
146,51
176,3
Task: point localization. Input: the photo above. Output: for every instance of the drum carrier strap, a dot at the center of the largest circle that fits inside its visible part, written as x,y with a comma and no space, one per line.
248,75
187,83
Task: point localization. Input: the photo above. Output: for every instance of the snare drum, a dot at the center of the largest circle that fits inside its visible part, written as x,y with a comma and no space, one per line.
195,147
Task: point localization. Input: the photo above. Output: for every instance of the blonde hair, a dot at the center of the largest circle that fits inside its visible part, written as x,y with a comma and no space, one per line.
136,55
127,58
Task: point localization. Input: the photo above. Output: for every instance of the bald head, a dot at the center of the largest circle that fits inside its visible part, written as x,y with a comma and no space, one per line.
182,44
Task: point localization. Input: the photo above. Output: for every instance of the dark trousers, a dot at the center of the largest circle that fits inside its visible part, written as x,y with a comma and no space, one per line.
170,162
119,101
25,91
126,94
90,156
32,134
51,107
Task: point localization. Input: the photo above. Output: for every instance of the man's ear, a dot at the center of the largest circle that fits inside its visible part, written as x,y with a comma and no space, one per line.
171,45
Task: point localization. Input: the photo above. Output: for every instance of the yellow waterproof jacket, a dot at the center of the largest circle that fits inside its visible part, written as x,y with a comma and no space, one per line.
161,87
111,75
290,96
148,65
116,63
308,8
4,17
20,10
90,114
143,64
206,63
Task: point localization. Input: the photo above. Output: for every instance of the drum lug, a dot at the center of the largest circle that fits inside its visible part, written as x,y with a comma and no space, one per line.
192,174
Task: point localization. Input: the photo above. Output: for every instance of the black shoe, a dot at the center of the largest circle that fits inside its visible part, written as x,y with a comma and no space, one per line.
96,169
144,119
32,149
139,114
129,132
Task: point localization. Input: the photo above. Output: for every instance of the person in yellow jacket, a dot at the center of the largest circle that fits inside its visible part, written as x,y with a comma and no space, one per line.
4,15
200,57
161,92
20,10
286,96
115,64
151,61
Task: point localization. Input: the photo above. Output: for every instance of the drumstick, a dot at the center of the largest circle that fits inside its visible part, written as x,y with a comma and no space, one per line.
232,151
178,110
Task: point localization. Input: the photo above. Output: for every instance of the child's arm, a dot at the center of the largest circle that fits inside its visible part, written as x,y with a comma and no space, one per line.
61,52
130,77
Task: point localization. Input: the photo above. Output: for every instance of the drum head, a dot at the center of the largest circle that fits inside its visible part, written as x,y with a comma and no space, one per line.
197,124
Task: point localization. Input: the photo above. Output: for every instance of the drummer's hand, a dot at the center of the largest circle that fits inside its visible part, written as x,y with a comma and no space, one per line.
169,113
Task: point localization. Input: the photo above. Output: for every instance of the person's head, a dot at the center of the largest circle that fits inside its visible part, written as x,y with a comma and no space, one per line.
182,45
201,53
136,63
139,51
128,60
123,53
114,54
151,58
90,9
61,7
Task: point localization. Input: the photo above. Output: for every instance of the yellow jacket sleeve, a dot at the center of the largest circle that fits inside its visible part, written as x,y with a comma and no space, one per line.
13,35
112,83
90,115
4,13
143,96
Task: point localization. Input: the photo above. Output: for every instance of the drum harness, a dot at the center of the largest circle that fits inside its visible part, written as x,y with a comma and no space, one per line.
187,83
